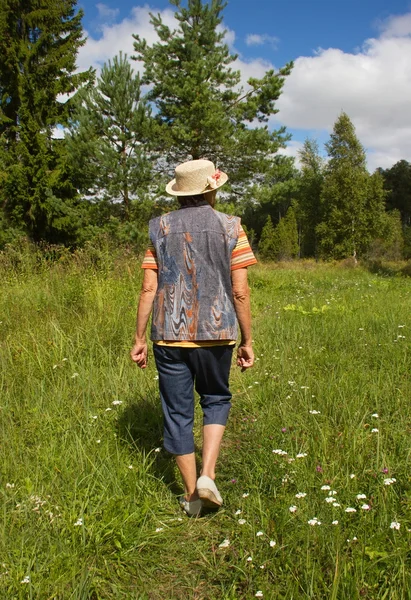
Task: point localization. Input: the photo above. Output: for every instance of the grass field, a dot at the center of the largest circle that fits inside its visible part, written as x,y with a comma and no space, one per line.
314,470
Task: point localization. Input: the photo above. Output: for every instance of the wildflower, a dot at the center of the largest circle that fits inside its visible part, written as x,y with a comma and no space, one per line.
272,543
365,507
262,566
352,476
130,466
361,496
155,377
361,329
334,523
374,430
314,522
401,326
238,512
280,452
25,580
157,449
301,495
79,522
117,402
375,415
389,481
158,529
98,441
245,495
224,544
234,481
350,509
64,359
107,409
332,493
330,499
319,469
259,533
241,521
384,470
395,525
249,559
314,412
325,487
301,455
94,417
292,509
284,429
259,594
74,375
336,505
10,485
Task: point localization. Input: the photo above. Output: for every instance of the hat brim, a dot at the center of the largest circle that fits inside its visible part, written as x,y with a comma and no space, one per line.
171,187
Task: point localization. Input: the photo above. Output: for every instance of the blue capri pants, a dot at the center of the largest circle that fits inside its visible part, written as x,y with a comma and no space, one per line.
180,370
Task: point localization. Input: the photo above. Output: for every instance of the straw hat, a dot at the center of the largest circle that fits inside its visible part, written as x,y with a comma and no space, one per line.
196,177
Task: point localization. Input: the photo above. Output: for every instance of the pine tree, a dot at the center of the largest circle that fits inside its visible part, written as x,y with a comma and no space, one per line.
309,195
109,133
39,41
201,109
352,201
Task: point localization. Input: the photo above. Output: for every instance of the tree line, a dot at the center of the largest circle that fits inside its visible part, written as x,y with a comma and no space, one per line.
124,133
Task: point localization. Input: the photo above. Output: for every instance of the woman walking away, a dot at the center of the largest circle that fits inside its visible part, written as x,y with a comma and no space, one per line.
195,282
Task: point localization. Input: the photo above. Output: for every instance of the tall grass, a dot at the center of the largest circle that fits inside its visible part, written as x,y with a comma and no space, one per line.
89,500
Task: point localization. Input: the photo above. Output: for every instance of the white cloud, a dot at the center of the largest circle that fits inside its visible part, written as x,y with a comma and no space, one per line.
229,37
106,13
118,37
292,150
373,86
256,39
251,68
396,26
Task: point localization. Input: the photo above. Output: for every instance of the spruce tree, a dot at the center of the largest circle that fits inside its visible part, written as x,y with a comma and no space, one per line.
352,201
397,181
271,195
202,111
39,41
267,240
109,134
309,195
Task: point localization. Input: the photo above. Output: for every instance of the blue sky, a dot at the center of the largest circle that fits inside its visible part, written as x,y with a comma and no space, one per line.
352,55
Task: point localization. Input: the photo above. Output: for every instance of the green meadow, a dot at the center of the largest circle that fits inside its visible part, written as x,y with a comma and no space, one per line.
314,468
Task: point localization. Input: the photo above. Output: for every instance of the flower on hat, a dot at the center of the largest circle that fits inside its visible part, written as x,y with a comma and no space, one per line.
213,180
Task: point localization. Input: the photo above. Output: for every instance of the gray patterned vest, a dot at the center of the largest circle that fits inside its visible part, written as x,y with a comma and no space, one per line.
194,296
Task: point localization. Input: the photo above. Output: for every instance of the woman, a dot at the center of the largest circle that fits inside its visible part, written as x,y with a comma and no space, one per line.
195,282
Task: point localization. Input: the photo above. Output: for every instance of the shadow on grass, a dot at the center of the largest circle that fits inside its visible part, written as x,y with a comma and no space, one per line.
140,426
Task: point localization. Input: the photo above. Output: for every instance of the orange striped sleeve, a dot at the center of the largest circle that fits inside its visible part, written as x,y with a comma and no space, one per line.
150,258
242,255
